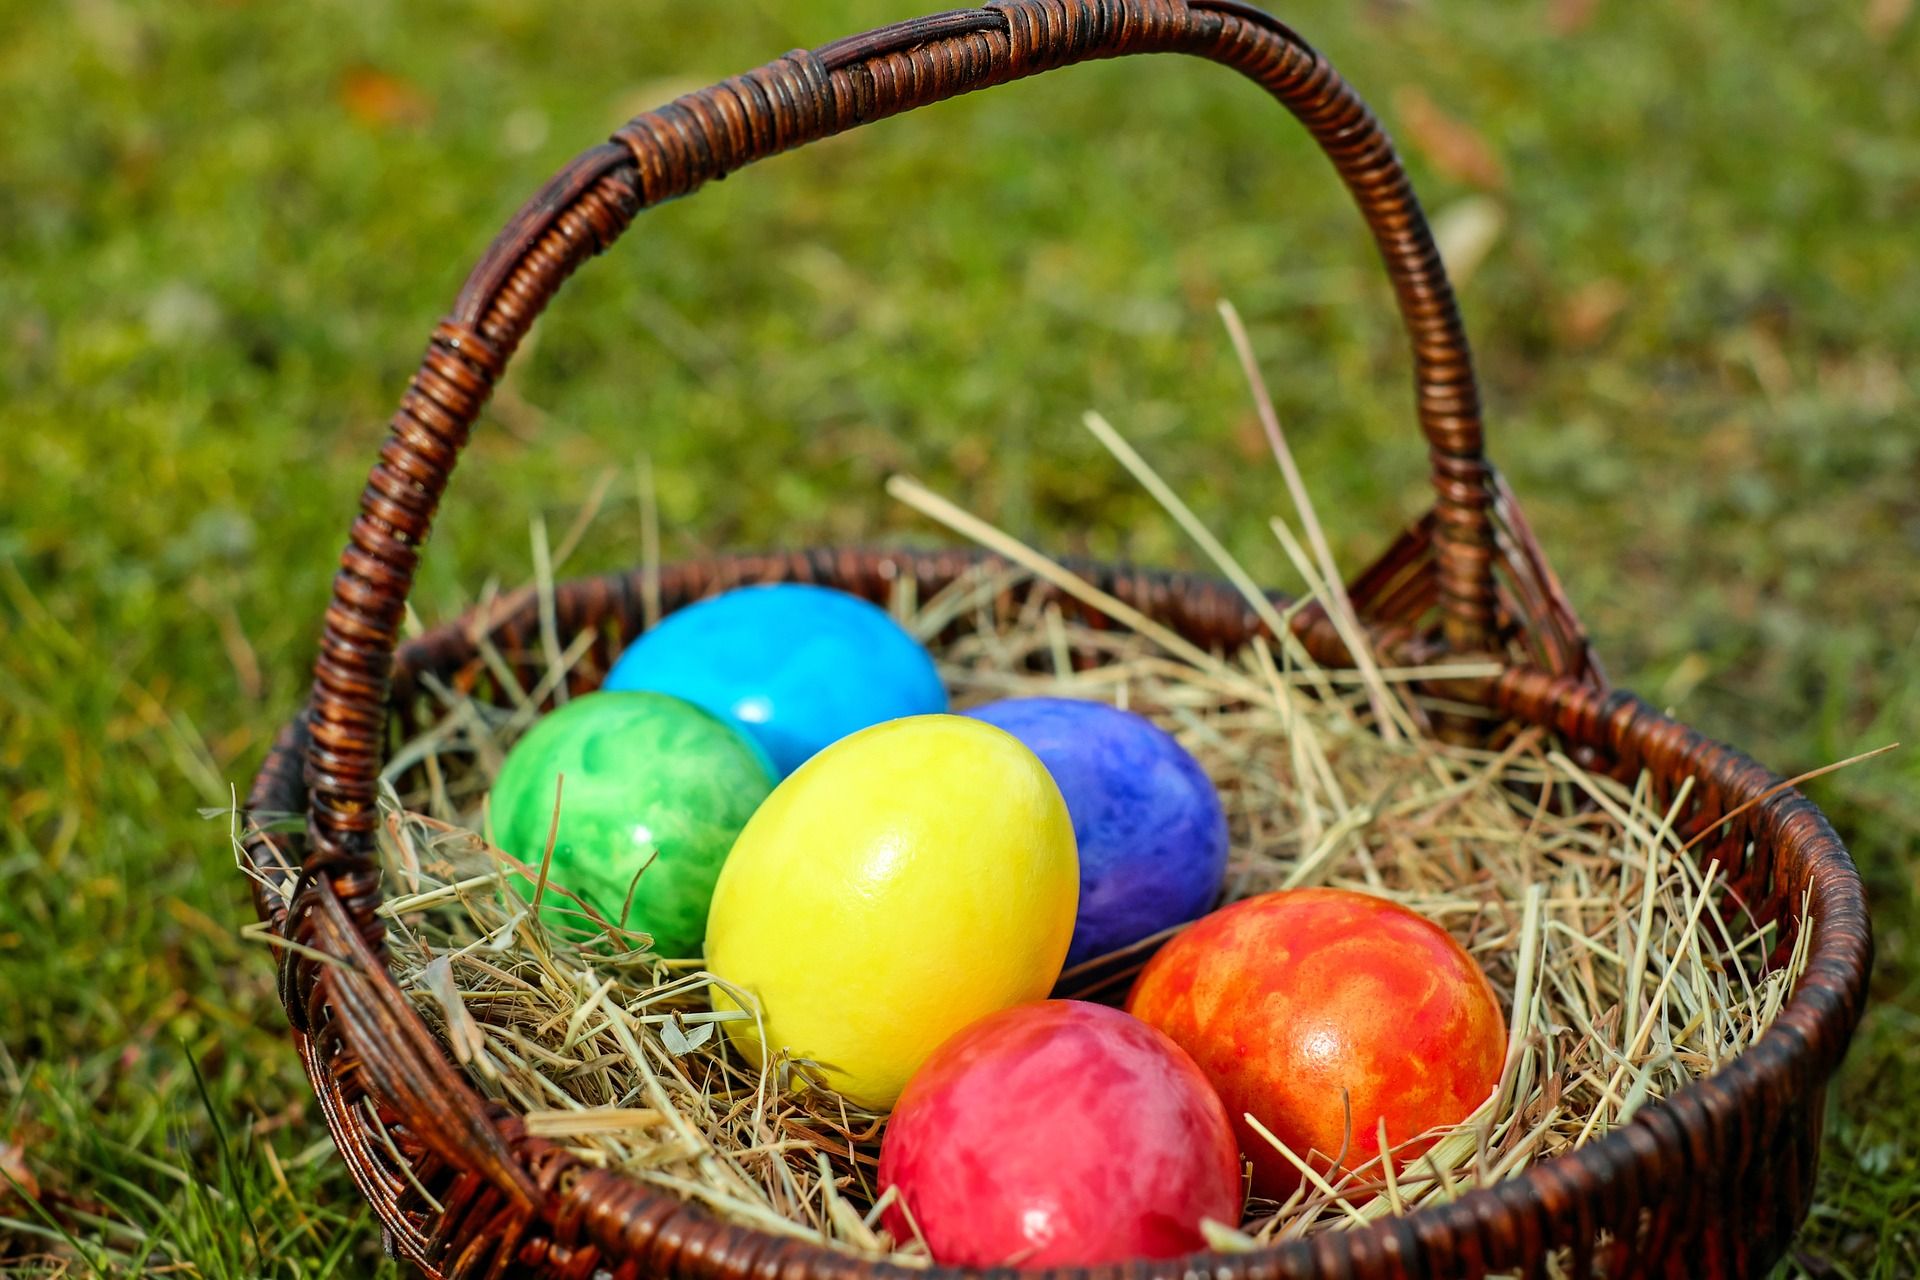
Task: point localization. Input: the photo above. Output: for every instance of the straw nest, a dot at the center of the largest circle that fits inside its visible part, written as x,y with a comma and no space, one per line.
1624,971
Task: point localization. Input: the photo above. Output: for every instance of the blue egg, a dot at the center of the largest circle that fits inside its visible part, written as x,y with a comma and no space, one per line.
1152,836
797,667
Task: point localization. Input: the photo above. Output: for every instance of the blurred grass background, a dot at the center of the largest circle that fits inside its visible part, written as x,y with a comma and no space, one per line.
1685,236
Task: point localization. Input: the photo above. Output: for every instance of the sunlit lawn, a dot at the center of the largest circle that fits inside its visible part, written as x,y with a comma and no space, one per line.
226,228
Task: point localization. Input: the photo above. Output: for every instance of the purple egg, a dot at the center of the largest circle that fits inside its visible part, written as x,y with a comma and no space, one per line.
1152,836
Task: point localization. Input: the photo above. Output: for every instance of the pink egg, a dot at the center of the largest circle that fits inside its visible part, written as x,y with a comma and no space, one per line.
1059,1133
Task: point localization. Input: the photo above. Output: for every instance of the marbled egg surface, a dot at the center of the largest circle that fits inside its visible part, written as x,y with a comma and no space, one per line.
795,665
1147,821
1059,1133
1330,1016
648,786
902,883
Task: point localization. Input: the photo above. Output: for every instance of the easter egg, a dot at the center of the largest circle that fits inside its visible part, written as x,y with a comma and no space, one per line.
652,792
794,665
1059,1133
1146,819
1303,1003
901,884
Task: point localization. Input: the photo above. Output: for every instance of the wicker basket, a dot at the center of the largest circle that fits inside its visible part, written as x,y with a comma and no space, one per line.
1710,1182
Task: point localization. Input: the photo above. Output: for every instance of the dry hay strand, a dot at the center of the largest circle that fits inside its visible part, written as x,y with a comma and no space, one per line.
1625,968
1624,972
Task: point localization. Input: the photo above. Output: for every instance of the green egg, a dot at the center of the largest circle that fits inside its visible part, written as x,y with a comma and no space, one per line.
649,787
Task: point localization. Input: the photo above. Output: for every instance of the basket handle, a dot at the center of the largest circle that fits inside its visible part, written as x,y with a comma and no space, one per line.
800,98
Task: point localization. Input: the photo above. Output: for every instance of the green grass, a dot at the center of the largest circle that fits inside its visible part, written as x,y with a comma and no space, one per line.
225,229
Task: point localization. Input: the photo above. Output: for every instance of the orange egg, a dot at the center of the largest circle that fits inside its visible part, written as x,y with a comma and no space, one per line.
1307,1005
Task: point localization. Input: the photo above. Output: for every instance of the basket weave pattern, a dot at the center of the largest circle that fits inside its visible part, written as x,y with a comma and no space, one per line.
1711,1181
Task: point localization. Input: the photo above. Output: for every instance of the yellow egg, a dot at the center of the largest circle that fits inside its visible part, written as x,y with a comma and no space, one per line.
903,883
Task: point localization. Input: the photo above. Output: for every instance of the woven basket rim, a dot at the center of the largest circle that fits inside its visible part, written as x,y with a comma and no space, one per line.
1467,579
1793,1057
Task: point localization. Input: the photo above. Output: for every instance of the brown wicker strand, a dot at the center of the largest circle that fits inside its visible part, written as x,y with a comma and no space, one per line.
796,99
1710,1182
1733,1155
